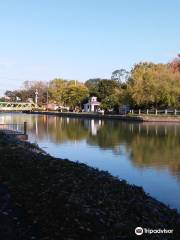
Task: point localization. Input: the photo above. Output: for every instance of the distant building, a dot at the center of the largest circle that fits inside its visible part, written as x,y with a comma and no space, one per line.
64,109
52,106
92,106
30,100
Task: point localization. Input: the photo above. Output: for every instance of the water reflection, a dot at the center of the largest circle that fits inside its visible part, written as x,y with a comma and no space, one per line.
149,144
143,146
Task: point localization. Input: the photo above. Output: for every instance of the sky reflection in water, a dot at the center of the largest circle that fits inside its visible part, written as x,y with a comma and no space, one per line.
144,154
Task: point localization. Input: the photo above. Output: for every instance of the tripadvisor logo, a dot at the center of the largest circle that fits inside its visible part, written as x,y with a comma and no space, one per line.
140,231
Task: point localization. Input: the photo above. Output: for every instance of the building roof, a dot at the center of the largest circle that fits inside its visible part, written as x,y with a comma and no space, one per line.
93,103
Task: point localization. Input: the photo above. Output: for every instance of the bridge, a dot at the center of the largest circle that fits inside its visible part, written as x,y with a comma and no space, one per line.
16,106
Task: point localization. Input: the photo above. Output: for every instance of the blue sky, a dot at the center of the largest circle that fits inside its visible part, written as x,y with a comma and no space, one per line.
82,39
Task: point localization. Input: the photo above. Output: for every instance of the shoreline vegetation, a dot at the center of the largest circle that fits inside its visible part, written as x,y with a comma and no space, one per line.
58,199
147,86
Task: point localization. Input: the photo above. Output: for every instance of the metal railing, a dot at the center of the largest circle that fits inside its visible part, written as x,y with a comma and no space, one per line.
16,106
155,111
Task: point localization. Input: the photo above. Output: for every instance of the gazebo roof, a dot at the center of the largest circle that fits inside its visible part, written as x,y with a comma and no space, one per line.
93,103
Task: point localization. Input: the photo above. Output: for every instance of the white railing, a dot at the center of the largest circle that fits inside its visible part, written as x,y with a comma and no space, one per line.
155,111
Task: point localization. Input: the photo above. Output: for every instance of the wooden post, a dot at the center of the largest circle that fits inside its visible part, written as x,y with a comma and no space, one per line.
166,111
174,111
25,128
132,111
139,111
147,111
156,112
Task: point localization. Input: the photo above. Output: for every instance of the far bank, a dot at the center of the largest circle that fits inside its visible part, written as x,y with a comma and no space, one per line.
128,117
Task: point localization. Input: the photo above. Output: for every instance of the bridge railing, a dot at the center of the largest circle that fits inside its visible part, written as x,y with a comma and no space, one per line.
14,127
16,106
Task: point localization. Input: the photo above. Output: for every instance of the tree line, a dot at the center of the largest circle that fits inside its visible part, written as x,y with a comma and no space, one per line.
147,85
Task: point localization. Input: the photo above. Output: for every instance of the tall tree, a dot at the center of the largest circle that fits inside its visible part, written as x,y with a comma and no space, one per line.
120,75
68,93
74,95
56,89
154,85
175,64
92,84
106,88
41,87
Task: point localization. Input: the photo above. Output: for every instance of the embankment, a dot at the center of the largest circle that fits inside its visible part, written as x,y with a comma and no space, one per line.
71,201
91,115
130,118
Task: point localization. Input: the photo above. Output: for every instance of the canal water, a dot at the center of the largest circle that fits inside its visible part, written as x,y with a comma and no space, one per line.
144,154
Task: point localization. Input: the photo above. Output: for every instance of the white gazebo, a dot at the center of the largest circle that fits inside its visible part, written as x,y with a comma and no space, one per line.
92,106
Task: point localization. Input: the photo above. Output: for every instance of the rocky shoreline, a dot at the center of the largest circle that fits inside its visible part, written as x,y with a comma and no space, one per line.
54,199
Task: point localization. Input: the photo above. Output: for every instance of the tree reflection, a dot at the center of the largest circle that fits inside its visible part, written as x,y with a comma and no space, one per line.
148,144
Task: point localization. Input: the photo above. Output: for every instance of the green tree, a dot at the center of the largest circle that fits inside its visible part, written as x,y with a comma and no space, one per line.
56,90
106,88
111,102
74,95
154,85
92,84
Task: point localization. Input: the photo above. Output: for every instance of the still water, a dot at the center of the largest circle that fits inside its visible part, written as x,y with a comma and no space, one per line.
144,154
